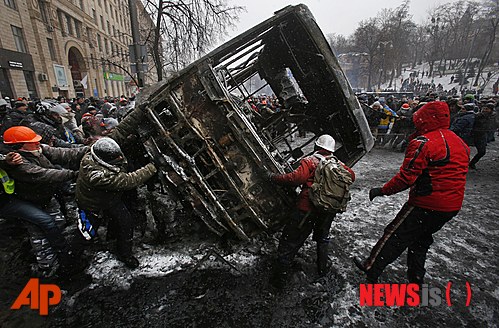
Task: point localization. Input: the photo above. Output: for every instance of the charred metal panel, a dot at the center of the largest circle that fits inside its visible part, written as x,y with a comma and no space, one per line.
213,144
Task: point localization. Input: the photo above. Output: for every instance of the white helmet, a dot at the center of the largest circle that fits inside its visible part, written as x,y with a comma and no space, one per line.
326,142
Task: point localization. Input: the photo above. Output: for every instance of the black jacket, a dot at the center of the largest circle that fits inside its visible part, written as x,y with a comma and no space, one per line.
38,178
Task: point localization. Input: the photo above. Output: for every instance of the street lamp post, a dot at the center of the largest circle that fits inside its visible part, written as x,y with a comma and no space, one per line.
136,48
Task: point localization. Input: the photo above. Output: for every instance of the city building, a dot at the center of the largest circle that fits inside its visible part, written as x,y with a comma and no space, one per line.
72,48
356,68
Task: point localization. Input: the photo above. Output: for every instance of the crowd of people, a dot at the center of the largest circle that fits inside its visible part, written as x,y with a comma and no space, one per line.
390,119
55,152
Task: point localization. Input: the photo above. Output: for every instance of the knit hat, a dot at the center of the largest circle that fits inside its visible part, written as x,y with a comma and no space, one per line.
108,151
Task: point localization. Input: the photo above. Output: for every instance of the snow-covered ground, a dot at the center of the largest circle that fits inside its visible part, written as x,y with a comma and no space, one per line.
445,80
168,291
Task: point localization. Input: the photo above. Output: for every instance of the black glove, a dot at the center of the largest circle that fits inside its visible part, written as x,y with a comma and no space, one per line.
267,175
375,192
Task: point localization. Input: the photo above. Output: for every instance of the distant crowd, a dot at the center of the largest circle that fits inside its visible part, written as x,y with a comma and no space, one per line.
62,122
390,119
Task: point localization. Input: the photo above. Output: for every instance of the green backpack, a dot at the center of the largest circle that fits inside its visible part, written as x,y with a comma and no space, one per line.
330,191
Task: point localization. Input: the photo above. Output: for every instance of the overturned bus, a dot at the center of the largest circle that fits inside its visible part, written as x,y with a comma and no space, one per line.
214,143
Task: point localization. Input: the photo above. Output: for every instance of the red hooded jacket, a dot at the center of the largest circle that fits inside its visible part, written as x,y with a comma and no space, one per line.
435,164
304,176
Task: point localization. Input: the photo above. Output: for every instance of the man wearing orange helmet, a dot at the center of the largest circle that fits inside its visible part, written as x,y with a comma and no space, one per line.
36,181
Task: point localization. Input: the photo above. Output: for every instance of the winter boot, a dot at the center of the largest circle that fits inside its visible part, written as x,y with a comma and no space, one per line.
70,265
360,264
279,278
130,261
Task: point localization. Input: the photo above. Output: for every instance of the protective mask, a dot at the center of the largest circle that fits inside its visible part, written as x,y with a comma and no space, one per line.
36,153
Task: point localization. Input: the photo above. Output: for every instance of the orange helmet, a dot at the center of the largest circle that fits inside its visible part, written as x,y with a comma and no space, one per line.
20,134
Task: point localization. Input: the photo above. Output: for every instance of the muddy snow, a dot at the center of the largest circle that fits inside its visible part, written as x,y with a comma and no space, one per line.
200,282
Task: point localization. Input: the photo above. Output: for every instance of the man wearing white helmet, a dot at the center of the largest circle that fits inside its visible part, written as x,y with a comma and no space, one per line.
307,218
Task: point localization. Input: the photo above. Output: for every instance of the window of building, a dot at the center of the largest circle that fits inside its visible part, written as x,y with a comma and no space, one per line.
10,4
19,39
81,5
99,42
105,5
99,3
112,48
61,22
77,28
43,11
69,25
89,35
30,83
51,49
106,48
108,27
94,15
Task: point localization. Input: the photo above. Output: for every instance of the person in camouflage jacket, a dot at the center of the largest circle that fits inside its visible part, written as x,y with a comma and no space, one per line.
99,189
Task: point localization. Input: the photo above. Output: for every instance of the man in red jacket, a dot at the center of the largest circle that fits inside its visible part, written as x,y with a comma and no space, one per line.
435,167
307,218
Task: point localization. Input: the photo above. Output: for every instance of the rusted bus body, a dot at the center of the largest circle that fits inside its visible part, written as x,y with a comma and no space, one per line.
215,145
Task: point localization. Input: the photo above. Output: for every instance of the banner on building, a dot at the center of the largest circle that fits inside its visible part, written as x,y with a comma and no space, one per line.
113,76
60,75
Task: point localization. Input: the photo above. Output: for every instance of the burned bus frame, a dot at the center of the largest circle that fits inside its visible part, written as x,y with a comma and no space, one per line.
214,145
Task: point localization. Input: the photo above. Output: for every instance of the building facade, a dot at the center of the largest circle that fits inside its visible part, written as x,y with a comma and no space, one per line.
356,68
67,48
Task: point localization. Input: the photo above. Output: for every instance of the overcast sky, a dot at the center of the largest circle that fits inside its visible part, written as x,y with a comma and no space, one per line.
333,16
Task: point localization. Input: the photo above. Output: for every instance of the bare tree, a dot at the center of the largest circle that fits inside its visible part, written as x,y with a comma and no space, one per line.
490,14
186,28
397,27
367,38
339,43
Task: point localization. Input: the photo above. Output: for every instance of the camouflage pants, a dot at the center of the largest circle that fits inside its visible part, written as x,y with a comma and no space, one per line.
44,225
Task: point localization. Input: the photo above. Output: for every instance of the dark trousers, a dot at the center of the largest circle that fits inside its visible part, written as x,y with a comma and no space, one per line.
120,225
411,229
297,231
481,147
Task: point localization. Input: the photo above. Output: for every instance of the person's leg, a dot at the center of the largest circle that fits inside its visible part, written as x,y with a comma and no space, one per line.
292,238
136,207
481,147
432,222
322,226
45,235
46,257
19,209
398,235
122,220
